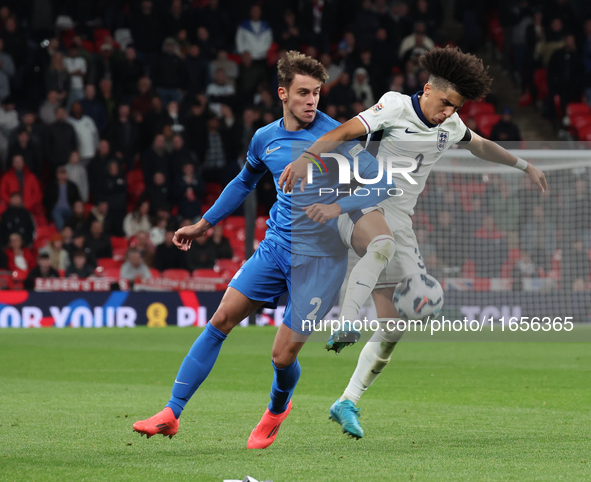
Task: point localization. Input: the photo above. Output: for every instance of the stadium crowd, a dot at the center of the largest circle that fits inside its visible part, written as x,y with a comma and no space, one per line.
122,120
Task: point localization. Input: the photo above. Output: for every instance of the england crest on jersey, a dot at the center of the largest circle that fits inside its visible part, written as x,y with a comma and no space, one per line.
442,138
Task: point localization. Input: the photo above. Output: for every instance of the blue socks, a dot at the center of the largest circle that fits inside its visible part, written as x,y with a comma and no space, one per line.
196,367
284,383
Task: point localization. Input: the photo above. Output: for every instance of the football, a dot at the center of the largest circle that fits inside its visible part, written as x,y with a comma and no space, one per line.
418,297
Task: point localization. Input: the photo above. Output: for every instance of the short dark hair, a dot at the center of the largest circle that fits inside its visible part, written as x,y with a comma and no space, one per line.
297,63
449,67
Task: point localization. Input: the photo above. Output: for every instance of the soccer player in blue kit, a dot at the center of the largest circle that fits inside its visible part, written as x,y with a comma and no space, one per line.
302,253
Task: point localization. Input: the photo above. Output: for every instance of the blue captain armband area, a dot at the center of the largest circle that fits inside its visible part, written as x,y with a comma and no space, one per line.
234,194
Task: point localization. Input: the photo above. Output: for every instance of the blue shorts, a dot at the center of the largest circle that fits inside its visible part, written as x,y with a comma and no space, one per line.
313,282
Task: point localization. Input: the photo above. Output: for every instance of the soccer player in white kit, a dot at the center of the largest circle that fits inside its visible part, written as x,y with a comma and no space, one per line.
416,130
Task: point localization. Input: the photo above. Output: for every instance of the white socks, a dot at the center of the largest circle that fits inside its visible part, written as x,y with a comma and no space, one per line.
365,274
372,360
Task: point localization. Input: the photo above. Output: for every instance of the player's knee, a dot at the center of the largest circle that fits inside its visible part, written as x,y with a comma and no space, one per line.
222,320
283,360
383,245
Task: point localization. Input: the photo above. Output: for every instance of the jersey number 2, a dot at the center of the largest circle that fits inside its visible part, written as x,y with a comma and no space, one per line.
314,301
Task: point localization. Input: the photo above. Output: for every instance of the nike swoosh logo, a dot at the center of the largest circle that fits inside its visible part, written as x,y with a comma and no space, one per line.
375,373
182,383
269,151
363,285
410,132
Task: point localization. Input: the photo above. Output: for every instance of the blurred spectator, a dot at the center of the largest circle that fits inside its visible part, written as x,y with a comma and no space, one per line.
180,156
430,13
550,39
565,75
219,92
97,168
146,31
57,77
505,129
376,72
137,220
524,268
361,88
158,231
576,212
142,102
78,221
220,244
505,210
168,256
59,198
15,41
169,75
102,212
76,67
107,98
172,109
289,32
31,152
158,192
218,151
175,19
44,269
86,133
538,236
365,24
251,76
124,136
105,62
575,264
197,68
18,257
114,193
219,24
127,74
155,159
78,175
134,267
489,249
7,71
141,242
471,124
20,179
342,94
16,219
448,240
195,124
94,109
254,35
98,242
156,118
57,255
190,188
418,39
229,66
79,268
8,124
201,255
61,140
333,70
49,106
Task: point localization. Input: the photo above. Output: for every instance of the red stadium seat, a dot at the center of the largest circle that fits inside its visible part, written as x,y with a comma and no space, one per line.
155,273
577,122
469,269
135,185
111,273
119,242
222,265
234,223
176,274
479,108
486,122
541,81
205,273
108,263
585,133
577,108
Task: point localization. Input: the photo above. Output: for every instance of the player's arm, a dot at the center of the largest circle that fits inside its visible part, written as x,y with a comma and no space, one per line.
491,151
231,197
351,129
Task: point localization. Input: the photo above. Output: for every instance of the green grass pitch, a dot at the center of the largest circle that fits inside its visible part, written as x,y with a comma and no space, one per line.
440,411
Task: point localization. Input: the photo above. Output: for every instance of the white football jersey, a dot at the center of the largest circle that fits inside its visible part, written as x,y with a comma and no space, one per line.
408,134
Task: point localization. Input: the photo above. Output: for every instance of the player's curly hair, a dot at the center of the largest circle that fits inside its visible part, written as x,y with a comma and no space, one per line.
297,63
464,73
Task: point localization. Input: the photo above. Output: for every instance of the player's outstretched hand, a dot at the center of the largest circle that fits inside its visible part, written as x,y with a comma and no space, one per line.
183,237
537,177
320,213
298,169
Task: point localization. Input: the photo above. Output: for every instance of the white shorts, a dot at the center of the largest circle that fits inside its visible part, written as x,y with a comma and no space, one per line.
407,258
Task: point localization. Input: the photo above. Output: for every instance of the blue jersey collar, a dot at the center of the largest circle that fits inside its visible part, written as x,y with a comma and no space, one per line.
416,106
